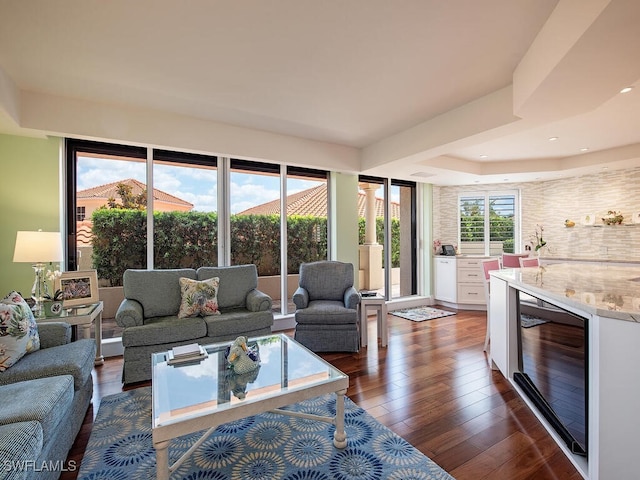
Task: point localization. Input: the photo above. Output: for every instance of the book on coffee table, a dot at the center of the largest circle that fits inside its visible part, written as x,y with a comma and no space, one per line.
186,353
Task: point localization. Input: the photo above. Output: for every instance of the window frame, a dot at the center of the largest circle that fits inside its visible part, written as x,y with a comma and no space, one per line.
73,147
386,184
488,195
148,155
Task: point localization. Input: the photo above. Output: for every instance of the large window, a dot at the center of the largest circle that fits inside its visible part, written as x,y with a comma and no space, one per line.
488,223
102,178
256,222
255,215
185,220
107,188
307,214
135,207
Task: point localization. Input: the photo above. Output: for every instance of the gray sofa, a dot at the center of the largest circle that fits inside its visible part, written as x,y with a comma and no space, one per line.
149,313
45,396
327,307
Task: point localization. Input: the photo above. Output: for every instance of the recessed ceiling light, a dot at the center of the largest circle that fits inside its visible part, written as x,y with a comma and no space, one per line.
484,156
553,139
584,149
626,89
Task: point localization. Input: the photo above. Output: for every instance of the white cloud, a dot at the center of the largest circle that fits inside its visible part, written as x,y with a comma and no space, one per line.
250,193
94,171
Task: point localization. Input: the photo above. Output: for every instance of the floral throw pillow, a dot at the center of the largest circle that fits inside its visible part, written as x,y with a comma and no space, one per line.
199,297
18,330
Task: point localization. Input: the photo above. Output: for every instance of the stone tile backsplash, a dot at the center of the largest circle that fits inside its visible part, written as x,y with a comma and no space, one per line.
550,203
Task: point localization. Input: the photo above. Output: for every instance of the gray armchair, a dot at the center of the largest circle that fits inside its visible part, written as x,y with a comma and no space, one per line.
327,307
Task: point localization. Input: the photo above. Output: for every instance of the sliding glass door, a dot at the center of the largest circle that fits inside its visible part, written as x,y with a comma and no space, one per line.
387,225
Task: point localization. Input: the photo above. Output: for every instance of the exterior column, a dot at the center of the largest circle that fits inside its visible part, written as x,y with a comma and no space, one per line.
370,214
371,251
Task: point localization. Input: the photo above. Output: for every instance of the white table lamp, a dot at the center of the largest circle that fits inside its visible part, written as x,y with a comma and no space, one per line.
38,248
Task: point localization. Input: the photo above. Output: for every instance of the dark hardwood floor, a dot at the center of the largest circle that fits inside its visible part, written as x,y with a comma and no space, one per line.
432,386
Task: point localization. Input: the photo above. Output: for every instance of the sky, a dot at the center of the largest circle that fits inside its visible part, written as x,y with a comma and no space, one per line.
195,185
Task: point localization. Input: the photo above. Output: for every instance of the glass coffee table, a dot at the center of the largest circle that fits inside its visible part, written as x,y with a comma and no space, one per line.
189,398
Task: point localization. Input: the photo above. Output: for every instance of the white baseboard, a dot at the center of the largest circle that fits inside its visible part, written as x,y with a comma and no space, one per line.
409,302
112,347
285,322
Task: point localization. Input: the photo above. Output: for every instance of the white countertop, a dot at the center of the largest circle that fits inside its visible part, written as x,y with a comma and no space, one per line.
633,261
604,290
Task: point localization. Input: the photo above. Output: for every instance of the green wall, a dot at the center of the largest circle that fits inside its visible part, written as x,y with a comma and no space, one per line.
344,232
427,281
30,199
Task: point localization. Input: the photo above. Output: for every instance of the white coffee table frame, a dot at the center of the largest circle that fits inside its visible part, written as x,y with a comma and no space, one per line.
210,418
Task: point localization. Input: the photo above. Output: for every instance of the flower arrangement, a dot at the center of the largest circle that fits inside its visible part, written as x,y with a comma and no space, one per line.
52,275
437,246
537,242
613,218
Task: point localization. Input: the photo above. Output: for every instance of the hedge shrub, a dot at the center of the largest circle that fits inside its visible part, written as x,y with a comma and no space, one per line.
190,240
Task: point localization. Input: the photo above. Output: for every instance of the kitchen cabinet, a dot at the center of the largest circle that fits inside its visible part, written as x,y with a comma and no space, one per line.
613,336
458,282
446,278
470,285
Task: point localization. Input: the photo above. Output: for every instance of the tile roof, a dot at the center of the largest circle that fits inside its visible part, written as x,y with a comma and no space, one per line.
84,234
313,202
110,190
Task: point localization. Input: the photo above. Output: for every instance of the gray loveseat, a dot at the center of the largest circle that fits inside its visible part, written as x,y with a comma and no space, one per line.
149,313
45,396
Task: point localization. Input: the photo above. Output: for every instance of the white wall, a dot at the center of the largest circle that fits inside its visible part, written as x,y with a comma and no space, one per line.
551,203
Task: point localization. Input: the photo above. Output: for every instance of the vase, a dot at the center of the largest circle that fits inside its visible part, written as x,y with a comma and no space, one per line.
52,308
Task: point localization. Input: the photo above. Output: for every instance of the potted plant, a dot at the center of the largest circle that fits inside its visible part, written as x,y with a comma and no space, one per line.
53,304
613,218
537,242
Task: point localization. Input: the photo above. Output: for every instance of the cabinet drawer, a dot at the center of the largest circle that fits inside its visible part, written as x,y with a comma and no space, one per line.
470,262
471,294
470,275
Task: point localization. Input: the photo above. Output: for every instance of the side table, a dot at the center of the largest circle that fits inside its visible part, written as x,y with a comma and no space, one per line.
379,304
83,317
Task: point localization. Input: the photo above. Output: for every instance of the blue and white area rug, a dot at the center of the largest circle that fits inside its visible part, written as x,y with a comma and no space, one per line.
420,314
265,447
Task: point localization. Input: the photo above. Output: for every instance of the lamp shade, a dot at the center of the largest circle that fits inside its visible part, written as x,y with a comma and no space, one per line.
38,247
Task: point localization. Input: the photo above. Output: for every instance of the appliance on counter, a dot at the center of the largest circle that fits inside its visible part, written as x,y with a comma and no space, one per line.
448,250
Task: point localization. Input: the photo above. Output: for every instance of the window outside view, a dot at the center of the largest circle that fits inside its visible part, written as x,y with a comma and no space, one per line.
111,220
489,217
401,234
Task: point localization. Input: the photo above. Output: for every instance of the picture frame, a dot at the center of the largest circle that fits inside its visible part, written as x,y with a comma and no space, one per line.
78,287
